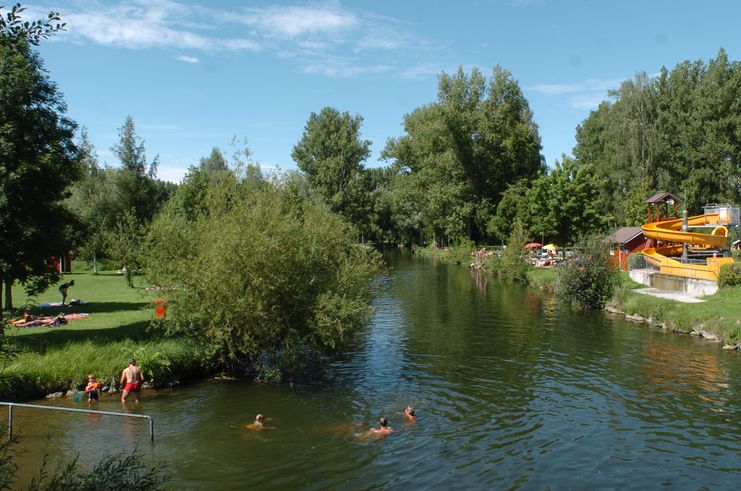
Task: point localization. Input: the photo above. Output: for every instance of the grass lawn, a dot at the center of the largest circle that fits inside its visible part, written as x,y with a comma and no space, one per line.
59,358
112,305
720,313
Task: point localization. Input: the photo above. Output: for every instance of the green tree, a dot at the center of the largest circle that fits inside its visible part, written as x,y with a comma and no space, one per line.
677,132
565,204
92,200
462,152
38,159
515,263
125,242
215,162
135,178
619,140
331,153
508,209
266,281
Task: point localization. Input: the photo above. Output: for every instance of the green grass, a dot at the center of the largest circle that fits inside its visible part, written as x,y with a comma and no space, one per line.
719,314
627,282
110,303
542,278
59,358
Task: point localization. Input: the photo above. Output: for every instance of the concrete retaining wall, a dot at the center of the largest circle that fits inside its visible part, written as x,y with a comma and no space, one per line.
688,286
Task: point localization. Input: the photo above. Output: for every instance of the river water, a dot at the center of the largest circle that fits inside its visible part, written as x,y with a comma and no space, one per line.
512,390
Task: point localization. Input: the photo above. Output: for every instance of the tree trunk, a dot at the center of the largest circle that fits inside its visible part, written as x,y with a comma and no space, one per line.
95,263
1,305
8,294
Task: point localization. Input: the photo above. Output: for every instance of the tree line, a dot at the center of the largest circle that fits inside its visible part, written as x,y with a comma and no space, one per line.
468,167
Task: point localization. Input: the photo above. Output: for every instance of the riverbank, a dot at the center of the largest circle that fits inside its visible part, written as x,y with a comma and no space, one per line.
717,319
57,359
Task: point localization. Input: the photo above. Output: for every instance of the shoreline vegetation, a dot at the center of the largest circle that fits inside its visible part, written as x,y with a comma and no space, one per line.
717,319
55,361
50,361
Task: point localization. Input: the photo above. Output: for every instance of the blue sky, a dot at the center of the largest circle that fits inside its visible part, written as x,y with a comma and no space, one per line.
195,74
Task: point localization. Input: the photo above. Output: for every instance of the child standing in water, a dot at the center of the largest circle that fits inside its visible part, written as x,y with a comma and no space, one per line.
92,388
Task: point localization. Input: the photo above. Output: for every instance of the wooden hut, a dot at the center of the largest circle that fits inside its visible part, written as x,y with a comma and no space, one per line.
623,242
667,201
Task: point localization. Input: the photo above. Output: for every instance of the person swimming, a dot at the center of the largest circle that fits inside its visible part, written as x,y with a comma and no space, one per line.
383,430
258,424
409,413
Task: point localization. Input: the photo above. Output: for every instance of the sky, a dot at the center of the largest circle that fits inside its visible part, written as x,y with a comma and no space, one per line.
194,75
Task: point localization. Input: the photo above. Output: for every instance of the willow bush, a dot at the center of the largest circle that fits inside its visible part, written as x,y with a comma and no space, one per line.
588,279
267,280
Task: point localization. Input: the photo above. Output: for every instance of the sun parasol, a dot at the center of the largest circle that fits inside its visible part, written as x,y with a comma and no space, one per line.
551,247
532,245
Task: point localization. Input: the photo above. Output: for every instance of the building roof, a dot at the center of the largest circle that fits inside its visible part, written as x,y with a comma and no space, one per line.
624,235
661,197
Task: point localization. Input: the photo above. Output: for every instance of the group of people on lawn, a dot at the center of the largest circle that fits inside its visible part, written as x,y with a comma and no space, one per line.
30,320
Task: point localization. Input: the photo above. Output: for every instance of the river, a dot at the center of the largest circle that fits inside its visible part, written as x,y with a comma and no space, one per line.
512,390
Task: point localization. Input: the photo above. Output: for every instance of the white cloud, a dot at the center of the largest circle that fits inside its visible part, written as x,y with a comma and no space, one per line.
344,69
590,85
422,70
188,59
587,94
307,35
140,25
587,101
296,21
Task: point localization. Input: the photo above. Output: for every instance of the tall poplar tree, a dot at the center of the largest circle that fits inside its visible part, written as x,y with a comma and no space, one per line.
135,179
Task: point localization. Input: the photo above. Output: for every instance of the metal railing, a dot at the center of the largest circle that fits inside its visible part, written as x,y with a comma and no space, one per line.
11,405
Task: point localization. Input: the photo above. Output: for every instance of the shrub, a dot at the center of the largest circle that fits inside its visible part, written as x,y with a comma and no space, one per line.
588,279
263,279
460,251
730,275
514,264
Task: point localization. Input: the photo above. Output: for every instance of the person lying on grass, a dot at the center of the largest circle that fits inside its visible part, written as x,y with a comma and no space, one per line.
30,320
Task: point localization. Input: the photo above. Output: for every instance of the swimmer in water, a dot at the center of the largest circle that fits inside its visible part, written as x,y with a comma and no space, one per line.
259,423
409,413
383,430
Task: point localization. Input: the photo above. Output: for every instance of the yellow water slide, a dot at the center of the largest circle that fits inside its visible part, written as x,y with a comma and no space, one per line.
670,232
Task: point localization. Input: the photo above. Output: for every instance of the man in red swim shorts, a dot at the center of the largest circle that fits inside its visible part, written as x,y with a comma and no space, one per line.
131,380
